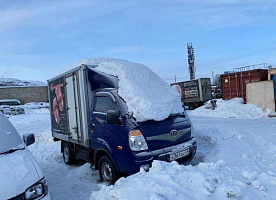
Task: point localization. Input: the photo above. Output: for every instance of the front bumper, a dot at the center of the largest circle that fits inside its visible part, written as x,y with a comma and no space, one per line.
190,145
131,166
21,197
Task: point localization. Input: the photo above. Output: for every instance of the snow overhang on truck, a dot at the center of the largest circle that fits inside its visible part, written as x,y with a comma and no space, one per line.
146,94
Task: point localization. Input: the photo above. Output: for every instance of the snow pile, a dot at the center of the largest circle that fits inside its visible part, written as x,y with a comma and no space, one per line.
145,93
36,111
270,113
172,181
35,105
234,108
16,82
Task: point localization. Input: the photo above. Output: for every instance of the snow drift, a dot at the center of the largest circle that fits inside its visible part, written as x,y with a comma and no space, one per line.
234,108
145,93
172,181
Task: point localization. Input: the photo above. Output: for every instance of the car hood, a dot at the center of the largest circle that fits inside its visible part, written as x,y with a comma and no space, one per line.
18,172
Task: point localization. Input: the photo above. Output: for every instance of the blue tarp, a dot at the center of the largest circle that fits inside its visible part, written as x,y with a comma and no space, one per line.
274,79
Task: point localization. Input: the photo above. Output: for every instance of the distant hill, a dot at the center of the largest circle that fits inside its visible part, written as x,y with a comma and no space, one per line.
17,82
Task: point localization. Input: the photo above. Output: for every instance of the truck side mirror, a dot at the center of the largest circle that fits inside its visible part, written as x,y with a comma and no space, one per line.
29,138
113,117
130,114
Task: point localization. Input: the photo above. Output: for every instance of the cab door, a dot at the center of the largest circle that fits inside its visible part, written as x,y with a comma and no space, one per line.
105,135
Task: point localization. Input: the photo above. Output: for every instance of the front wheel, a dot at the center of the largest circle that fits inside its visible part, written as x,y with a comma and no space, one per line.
68,155
107,170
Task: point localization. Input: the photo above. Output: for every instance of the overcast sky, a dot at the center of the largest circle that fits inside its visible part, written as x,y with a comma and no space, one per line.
38,39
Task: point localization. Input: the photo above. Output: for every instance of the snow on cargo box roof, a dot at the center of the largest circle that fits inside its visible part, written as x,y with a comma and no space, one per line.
145,93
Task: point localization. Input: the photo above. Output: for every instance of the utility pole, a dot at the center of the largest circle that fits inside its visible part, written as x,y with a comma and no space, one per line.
191,60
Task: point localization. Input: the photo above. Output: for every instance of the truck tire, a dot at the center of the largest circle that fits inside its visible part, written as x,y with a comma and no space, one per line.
69,156
107,170
191,106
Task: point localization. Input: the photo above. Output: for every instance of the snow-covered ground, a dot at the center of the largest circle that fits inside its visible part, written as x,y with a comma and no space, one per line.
236,159
35,105
234,108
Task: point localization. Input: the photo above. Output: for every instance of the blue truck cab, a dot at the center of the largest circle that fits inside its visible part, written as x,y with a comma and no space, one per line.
93,123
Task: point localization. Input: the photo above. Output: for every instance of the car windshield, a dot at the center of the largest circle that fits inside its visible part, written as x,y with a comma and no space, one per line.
9,137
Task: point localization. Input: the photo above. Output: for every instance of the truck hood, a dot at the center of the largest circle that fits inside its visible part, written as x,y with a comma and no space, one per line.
19,172
171,131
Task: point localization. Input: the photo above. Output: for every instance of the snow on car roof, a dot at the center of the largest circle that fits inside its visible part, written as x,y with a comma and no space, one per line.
145,93
9,136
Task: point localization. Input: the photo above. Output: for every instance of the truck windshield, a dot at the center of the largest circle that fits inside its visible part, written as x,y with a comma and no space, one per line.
10,139
104,104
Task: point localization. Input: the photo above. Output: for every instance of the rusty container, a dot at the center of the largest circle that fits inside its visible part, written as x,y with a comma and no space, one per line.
234,84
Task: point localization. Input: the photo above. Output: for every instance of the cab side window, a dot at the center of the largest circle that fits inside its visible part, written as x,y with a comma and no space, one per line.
104,104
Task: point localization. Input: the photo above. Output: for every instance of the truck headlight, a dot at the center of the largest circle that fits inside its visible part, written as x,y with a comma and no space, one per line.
137,141
37,190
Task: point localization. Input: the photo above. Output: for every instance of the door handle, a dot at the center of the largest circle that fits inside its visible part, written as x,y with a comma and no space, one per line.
93,128
75,129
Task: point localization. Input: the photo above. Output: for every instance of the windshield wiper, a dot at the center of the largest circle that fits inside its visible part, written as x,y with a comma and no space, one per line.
12,150
178,114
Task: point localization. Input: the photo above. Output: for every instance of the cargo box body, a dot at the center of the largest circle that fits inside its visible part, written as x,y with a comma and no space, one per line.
234,84
70,99
69,109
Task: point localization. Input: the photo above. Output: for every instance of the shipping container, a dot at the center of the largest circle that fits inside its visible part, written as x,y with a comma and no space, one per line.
234,84
194,93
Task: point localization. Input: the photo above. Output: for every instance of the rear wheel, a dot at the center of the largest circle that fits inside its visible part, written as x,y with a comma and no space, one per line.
69,156
107,170
191,106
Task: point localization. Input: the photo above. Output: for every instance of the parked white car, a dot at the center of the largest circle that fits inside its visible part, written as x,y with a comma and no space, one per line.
20,175
5,110
11,106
